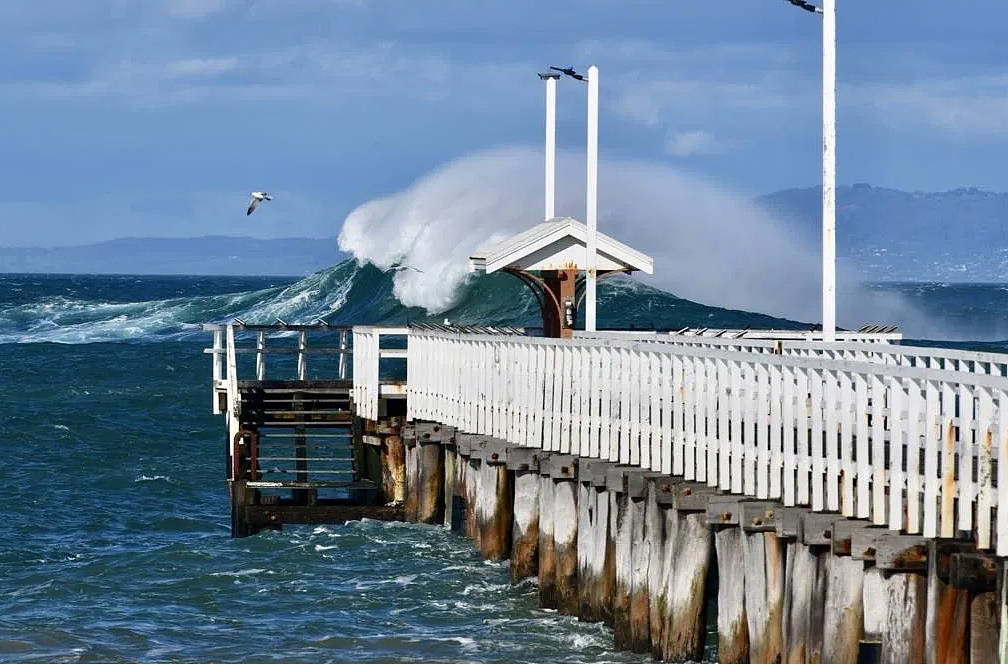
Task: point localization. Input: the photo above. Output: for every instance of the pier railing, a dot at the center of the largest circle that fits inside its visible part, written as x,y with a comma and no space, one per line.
908,438
865,347
368,384
287,344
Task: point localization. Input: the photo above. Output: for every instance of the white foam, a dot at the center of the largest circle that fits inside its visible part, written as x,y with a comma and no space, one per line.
709,245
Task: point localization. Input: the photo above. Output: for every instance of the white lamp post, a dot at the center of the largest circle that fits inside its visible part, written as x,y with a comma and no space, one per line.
591,200
550,79
828,12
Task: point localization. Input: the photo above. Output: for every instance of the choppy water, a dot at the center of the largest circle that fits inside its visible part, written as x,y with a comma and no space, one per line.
115,546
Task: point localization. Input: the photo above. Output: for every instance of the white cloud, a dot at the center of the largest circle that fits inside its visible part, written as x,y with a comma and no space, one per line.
964,106
692,143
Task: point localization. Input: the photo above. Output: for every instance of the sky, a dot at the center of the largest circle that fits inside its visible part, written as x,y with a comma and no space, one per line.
157,117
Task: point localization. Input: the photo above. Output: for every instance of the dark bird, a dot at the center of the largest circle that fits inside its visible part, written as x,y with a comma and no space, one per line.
257,197
569,71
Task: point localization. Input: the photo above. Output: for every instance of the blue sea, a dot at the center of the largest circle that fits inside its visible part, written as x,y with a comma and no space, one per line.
115,544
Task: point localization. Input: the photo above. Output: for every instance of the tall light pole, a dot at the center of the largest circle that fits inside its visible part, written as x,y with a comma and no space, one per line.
591,200
591,188
550,79
828,11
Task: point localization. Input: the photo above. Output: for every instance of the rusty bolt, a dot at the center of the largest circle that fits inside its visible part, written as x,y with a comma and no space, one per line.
870,551
756,521
436,428
565,470
426,436
666,487
726,516
687,491
827,534
493,456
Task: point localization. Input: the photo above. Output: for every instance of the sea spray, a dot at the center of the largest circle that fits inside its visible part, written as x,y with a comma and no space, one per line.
709,245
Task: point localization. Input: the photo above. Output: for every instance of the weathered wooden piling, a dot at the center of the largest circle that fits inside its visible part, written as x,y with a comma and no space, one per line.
547,549
658,539
595,576
642,542
623,542
844,610
494,499
473,471
565,493
431,472
412,474
589,567
799,590
688,551
764,590
904,561
450,481
523,463
733,630
460,514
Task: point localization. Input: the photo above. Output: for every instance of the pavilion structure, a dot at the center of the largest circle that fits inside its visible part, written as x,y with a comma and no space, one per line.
550,259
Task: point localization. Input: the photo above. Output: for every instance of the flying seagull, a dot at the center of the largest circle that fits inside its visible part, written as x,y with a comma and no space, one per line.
569,71
257,197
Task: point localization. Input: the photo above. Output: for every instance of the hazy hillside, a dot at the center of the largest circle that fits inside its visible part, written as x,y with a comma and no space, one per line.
959,235
206,255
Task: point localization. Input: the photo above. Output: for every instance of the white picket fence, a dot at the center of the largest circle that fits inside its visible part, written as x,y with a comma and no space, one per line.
908,438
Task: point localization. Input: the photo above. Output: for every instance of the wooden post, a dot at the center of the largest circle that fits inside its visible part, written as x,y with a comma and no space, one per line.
589,566
692,543
624,573
640,552
947,625
565,541
658,540
547,550
985,621
412,475
495,500
525,531
261,355
903,641
302,367
431,482
799,592
607,586
733,631
764,595
844,613
450,481
474,470
873,599
393,462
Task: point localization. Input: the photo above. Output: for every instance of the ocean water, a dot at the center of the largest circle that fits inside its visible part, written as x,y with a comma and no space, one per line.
115,544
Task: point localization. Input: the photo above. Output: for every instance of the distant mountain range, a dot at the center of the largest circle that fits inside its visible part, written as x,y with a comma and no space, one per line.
884,234
216,255
891,235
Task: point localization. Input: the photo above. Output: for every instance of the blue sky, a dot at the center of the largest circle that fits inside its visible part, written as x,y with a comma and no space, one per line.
156,117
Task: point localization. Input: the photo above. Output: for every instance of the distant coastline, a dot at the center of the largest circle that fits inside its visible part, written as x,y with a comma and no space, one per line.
210,255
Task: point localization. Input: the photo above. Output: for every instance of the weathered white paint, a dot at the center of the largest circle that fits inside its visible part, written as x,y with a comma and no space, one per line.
903,637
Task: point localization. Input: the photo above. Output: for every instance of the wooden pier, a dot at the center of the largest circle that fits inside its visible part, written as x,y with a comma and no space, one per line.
802,501
295,451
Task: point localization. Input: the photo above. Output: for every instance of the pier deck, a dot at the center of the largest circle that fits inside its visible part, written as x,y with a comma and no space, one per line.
839,499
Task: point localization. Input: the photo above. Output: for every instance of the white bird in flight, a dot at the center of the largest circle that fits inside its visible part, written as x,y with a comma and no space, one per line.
257,197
